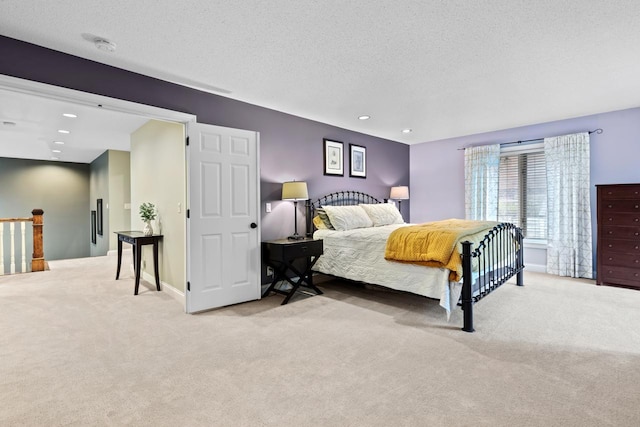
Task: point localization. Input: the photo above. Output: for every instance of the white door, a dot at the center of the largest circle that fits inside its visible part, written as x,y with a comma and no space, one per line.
223,237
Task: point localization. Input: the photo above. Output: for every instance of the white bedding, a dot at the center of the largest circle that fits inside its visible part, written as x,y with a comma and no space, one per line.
359,255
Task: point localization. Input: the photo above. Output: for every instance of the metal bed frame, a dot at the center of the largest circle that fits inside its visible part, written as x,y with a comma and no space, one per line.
498,256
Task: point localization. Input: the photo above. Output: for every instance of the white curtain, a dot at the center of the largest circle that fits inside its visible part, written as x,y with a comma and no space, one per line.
481,172
569,251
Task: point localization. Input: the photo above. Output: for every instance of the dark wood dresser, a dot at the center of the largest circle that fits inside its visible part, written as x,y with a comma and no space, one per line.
618,251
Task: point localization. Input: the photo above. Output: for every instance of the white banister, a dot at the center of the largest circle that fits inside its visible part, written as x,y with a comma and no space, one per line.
23,266
1,248
12,259
37,258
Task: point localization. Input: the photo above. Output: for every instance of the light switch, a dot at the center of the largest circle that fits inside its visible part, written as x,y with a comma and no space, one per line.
127,205
179,207
267,207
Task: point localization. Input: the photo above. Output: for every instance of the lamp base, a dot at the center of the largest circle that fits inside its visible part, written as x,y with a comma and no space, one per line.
296,237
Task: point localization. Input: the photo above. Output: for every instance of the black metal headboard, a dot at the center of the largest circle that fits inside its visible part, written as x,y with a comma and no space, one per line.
339,198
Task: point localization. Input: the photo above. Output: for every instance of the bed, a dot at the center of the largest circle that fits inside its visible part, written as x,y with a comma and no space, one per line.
357,253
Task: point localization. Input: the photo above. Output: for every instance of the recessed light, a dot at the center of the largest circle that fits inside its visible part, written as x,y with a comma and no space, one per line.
406,131
71,115
365,117
56,151
58,142
55,158
63,131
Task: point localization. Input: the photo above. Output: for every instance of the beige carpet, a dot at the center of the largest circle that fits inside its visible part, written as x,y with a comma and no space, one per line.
77,348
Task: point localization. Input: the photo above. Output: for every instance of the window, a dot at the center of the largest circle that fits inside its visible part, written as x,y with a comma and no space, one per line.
522,190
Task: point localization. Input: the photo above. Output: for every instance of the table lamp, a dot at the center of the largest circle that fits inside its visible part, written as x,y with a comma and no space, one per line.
295,190
399,193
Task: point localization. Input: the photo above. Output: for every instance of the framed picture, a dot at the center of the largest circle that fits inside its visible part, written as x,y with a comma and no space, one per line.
93,227
358,161
333,158
99,218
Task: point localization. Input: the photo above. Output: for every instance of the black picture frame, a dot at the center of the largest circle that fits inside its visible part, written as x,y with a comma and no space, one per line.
333,157
357,161
93,227
99,216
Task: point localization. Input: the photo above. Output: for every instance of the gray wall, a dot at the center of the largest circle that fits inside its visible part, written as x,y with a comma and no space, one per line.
61,190
291,147
99,189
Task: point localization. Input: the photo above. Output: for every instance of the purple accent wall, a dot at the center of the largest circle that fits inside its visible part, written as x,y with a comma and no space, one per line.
291,147
437,168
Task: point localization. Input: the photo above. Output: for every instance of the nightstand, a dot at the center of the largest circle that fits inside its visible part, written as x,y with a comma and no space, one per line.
281,254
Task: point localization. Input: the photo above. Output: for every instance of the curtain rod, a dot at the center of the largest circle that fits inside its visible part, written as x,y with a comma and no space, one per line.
598,131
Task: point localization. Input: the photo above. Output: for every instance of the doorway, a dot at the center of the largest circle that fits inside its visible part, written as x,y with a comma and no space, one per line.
180,291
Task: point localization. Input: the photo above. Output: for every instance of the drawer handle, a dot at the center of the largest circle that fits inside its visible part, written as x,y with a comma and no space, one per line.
610,245
610,271
611,232
610,219
636,206
610,259
636,220
636,261
610,206
635,274
636,233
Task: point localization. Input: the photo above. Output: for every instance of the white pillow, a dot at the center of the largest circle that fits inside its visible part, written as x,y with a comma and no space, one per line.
345,218
383,214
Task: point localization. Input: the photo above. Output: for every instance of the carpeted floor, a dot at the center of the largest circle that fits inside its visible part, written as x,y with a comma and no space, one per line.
77,348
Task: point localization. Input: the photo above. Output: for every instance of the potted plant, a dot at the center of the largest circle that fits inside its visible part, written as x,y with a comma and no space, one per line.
147,214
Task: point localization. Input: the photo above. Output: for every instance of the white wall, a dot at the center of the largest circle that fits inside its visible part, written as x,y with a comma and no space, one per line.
158,176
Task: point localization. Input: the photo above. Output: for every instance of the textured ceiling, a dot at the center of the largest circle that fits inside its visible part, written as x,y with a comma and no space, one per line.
441,68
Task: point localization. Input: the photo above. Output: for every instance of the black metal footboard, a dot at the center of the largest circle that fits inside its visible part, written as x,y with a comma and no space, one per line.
498,257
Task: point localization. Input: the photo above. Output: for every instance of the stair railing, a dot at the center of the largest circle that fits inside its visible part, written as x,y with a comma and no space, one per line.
37,259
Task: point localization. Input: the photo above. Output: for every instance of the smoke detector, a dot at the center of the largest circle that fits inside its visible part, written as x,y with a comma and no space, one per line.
104,44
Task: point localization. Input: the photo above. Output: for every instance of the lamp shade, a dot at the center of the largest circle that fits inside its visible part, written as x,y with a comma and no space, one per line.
294,190
399,193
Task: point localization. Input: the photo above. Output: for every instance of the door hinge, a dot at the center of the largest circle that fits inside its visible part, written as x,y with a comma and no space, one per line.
188,213
188,286
187,139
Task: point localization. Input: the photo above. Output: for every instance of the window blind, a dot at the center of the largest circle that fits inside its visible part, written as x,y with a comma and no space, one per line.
522,192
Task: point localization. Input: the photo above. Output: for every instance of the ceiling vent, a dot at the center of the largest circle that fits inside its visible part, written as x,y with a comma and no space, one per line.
104,44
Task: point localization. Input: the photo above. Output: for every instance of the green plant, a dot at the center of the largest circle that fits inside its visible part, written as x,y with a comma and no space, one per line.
147,211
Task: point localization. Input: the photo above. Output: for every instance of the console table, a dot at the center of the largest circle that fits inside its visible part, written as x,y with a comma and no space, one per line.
137,239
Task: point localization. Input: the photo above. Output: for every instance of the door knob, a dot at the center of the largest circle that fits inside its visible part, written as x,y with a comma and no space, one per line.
254,225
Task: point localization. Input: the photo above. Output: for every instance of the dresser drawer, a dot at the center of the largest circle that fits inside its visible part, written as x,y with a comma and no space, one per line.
624,219
621,260
618,232
619,192
608,246
620,205
620,275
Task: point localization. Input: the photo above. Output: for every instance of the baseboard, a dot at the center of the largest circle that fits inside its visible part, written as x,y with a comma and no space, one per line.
170,290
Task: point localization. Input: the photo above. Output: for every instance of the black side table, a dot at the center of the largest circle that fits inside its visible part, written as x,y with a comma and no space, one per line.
281,254
137,239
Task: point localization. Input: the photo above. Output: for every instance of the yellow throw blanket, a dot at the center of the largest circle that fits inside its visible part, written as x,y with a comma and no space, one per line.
436,244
